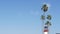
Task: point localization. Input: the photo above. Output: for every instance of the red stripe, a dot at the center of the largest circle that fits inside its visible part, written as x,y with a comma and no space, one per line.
45,30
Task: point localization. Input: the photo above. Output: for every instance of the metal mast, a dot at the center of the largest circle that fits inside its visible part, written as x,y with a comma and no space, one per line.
45,20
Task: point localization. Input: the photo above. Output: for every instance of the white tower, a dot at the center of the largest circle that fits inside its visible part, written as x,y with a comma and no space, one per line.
45,20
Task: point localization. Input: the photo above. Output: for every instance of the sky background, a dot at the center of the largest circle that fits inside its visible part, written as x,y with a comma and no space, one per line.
23,16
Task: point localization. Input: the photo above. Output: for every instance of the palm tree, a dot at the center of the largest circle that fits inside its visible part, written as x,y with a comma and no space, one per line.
42,17
49,17
44,8
48,23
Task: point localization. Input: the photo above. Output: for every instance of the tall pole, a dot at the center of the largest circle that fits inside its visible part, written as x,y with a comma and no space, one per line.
45,24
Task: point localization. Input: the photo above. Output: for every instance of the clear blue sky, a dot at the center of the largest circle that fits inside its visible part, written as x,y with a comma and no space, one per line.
23,16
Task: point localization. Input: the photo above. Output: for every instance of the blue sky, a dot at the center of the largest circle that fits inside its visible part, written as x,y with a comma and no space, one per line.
23,16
